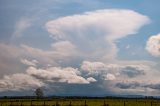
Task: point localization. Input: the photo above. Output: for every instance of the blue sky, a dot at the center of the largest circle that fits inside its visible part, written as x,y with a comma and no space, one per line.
103,46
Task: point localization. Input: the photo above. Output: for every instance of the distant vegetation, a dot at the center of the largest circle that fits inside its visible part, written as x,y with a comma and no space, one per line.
78,101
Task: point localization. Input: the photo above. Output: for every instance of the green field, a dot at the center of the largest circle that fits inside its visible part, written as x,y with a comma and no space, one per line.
79,102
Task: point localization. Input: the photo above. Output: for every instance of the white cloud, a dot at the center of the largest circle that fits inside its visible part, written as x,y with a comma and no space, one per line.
153,45
10,50
57,74
118,71
9,59
113,23
92,66
100,68
132,77
19,81
91,79
62,50
39,54
34,78
63,46
21,26
11,54
101,27
110,77
29,63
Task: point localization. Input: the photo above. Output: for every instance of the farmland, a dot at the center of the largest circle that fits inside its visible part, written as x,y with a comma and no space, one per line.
79,102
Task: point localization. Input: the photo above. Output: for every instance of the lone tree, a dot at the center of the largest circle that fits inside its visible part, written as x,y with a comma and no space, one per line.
39,92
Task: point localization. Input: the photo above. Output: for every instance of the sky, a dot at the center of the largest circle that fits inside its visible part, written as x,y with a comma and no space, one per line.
80,47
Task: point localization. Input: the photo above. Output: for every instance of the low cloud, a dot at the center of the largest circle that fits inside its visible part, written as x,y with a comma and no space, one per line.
18,82
110,77
34,78
112,70
136,85
133,71
29,63
92,66
124,77
153,86
125,85
91,79
57,74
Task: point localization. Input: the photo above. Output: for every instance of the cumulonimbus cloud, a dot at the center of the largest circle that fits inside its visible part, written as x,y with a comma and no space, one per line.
112,23
88,35
101,27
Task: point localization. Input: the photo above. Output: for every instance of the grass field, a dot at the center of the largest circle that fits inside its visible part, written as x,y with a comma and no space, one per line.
79,102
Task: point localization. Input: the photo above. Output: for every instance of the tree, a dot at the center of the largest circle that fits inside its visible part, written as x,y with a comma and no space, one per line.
39,93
